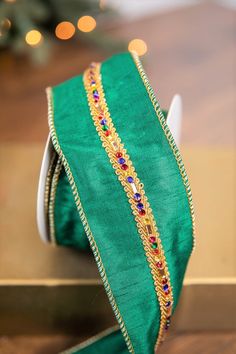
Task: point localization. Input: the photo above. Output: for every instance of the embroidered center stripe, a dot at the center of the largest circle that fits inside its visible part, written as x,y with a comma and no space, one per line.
134,189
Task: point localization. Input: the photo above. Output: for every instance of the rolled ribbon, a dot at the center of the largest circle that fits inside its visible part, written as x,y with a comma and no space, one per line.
117,184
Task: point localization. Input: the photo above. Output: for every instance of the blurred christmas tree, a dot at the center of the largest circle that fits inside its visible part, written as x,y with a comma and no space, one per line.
31,26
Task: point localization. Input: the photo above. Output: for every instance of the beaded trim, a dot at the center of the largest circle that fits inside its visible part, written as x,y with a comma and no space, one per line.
170,139
135,192
84,220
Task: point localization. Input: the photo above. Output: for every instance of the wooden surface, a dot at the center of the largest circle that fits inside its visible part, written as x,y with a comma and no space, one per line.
215,216
191,51
197,343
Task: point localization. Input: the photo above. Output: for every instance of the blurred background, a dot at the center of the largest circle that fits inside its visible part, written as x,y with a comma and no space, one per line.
50,298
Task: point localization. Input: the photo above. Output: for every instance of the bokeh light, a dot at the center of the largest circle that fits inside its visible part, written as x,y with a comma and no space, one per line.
102,4
65,30
5,25
33,38
86,23
138,46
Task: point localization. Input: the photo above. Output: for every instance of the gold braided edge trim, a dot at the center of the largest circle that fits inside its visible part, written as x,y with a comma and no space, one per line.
170,139
48,183
51,205
134,189
84,221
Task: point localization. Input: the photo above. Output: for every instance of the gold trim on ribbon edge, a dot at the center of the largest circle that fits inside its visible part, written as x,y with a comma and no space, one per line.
112,145
170,140
84,221
51,205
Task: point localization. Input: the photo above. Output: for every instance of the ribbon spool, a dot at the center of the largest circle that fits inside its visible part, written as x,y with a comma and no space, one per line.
116,184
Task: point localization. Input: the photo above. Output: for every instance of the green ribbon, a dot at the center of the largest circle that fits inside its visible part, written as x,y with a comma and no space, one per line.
90,204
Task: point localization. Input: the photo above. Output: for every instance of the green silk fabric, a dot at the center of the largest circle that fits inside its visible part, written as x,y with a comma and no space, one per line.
69,230
105,203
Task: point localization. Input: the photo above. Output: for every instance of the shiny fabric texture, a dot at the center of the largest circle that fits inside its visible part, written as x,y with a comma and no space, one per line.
69,230
105,203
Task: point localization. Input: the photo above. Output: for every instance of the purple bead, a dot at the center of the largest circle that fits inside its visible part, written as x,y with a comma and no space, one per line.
168,303
96,95
93,82
130,179
165,287
140,206
103,122
137,197
121,160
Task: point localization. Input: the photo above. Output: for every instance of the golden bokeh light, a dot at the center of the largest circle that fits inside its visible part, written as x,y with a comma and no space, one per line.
65,30
138,46
102,4
33,38
86,23
5,25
